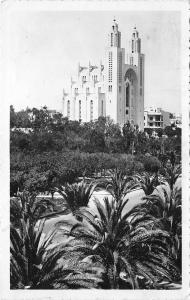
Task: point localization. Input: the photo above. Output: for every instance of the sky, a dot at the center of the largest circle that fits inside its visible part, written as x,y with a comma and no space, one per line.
45,48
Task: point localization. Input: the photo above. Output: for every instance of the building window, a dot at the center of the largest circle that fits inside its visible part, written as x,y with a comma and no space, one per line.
95,77
84,78
102,108
127,95
111,39
144,117
131,61
119,89
141,74
110,88
68,108
80,110
91,110
127,112
110,67
120,67
132,46
151,118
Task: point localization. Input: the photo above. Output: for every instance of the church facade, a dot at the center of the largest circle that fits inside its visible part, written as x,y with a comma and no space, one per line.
114,88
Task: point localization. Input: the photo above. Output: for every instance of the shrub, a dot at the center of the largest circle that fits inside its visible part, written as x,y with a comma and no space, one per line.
152,164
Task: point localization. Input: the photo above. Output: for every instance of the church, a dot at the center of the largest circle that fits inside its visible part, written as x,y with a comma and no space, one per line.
114,88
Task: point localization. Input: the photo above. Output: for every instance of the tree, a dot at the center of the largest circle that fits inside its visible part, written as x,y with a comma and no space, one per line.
171,116
118,185
28,208
160,132
41,119
132,249
166,207
113,136
148,183
76,196
42,141
13,118
142,143
171,174
152,164
129,136
23,119
34,265
149,131
169,131
27,253
97,141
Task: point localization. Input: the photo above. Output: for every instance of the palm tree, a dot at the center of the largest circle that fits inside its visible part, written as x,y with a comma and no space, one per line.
27,251
60,273
172,173
148,182
118,185
167,209
75,196
26,232
131,248
28,207
35,264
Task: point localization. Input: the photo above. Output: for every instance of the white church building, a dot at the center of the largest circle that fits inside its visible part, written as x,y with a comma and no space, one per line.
113,88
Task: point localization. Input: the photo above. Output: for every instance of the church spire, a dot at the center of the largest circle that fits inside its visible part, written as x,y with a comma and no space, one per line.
135,42
114,36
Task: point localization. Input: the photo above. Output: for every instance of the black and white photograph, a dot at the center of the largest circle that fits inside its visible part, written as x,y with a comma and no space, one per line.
95,101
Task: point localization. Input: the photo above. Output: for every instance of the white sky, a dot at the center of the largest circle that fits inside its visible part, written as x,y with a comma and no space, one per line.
45,48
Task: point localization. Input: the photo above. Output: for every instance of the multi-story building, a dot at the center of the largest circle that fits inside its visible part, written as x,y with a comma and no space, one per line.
113,88
156,118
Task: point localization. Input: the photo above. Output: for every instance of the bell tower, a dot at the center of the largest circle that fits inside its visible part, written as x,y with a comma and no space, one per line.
115,58
135,42
134,79
114,37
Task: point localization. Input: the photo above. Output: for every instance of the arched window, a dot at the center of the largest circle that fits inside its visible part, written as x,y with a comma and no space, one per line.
68,108
141,71
127,95
80,110
102,112
132,46
91,110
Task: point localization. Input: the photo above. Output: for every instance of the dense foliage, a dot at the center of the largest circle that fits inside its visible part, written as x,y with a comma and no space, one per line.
101,246
104,244
39,130
48,150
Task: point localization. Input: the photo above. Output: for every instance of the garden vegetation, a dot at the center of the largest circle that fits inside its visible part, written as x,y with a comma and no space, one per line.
102,244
